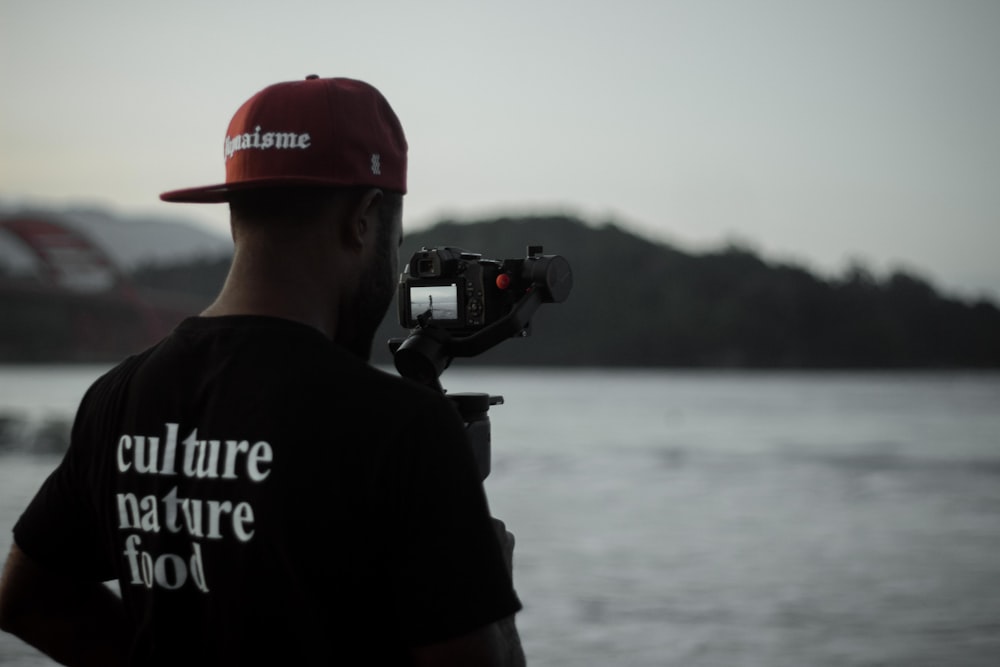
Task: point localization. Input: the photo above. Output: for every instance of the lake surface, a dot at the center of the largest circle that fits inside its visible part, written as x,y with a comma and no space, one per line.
707,518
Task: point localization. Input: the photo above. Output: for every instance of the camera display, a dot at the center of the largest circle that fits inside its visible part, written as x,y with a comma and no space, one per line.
438,302
456,290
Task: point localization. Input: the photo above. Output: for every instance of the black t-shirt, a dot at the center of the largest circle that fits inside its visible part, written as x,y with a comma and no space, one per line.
264,497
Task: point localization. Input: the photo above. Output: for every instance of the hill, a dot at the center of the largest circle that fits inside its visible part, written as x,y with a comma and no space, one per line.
640,303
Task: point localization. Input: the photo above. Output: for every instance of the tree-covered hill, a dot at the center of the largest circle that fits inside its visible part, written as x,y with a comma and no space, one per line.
639,303
634,303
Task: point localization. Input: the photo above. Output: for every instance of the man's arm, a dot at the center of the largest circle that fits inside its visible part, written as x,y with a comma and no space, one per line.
497,644
73,622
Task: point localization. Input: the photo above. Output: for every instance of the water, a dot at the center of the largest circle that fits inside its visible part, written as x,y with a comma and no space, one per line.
713,519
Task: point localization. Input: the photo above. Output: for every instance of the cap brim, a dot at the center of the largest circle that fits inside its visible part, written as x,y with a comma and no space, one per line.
211,194
222,192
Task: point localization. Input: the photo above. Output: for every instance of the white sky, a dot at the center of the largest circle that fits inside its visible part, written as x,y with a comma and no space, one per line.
814,131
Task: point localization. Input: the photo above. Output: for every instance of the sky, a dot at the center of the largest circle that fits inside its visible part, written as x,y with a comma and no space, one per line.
820,133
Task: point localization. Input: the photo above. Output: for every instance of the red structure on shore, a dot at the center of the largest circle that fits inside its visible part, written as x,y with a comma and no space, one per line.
76,305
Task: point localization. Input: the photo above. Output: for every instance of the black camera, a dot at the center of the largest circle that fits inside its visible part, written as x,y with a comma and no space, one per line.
459,291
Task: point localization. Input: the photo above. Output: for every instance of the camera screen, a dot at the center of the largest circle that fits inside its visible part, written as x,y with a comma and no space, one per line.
440,300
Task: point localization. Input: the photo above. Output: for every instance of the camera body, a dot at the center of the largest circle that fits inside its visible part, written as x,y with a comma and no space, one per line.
458,291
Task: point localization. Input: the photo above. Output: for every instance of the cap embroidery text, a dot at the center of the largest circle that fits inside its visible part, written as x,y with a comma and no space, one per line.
265,141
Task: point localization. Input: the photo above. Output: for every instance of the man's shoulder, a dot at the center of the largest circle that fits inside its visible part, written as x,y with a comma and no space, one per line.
272,364
118,375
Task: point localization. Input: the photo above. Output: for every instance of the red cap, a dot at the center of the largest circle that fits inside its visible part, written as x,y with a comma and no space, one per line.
337,132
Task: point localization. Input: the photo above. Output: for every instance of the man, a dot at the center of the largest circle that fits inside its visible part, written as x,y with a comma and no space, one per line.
261,493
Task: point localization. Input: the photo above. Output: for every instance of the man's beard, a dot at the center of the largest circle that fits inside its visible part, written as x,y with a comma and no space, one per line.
360,318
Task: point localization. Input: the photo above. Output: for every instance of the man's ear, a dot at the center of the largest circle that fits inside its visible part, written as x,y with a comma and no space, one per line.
363,218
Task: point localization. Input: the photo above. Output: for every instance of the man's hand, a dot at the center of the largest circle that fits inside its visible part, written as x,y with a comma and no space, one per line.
506,539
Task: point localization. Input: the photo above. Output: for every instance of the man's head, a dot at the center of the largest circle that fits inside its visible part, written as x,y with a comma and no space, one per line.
315,173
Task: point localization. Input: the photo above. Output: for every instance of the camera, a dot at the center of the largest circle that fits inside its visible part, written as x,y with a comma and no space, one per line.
459,291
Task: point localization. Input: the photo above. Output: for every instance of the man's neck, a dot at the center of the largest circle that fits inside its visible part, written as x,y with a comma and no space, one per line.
258,284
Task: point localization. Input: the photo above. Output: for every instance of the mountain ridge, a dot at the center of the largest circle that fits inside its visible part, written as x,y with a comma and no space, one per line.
641,302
